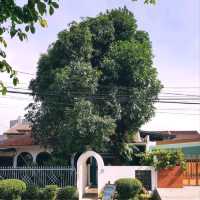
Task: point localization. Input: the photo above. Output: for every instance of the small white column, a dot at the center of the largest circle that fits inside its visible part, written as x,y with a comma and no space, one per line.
34,155
15,160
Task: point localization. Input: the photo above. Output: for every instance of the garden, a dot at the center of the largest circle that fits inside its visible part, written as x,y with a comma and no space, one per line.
126,188
13,189
131,189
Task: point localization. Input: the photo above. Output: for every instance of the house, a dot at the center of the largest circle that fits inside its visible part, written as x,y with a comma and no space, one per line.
18,148
188,141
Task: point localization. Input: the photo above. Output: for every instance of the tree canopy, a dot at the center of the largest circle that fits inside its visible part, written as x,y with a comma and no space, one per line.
95,86
17,20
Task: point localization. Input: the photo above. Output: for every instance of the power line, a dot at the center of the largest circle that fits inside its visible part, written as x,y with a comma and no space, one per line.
178,109
126,89
178,113
180,94
26,73
174,87
18,88
183,98
103,97
177,102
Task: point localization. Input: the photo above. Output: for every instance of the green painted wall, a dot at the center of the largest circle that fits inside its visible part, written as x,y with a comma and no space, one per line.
189,149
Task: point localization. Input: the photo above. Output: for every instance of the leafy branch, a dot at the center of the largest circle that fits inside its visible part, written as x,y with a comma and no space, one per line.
18,21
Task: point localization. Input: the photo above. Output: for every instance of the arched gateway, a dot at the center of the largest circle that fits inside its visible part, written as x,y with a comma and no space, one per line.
89,166
93,174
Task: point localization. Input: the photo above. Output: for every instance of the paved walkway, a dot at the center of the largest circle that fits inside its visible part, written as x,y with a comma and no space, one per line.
186,193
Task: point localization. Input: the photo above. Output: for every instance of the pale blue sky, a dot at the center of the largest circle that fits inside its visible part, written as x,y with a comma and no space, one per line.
174,28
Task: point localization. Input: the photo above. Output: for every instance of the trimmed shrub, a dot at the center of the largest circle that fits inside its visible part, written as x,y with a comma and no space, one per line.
31,193
67,193
145,196
48,193
128,188
11,189
155,195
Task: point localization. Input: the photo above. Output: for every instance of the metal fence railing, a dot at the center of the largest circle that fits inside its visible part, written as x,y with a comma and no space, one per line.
41,176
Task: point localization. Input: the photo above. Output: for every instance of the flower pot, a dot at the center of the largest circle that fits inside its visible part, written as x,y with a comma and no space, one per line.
170,177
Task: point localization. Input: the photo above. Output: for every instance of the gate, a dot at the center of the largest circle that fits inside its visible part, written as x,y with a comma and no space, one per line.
41,176
192,173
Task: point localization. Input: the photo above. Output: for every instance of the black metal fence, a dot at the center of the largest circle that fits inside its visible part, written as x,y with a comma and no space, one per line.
41,176
145,177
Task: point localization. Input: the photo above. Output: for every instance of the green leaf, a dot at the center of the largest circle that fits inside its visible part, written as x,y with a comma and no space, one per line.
41,7
15,81
27,28
8,69
13,32
2,54
22,36
55,5
150,1
3,89
51,10
43,23
3,42
32,28
1,31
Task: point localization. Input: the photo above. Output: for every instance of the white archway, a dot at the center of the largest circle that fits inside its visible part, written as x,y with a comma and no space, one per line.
82,170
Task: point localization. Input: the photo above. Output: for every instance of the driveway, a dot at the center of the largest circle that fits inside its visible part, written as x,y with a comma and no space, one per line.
186,193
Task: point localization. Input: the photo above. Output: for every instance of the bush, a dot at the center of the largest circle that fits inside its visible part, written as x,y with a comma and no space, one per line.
163,159
67,193
48,193
155,195
145,196
32,193
128,188
11,189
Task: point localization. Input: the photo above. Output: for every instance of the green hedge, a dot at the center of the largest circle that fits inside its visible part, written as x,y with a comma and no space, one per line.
49,192
67,193
31,193
128,188
11,189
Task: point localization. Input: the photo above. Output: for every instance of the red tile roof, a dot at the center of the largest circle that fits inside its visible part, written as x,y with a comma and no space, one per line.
181,137
183,134
18,135
19,140
19,129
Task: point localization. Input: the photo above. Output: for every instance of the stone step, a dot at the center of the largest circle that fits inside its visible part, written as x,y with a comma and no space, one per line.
91,194
90,197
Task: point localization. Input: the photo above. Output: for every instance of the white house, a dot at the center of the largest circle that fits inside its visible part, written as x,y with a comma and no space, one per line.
18,148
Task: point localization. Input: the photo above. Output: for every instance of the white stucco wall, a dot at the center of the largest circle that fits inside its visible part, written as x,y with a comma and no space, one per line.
113,173
107,173
34,150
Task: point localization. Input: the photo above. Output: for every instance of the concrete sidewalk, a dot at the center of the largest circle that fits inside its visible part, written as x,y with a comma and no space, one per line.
186,193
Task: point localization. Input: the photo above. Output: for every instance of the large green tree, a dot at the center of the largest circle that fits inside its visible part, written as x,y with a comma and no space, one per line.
95,86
